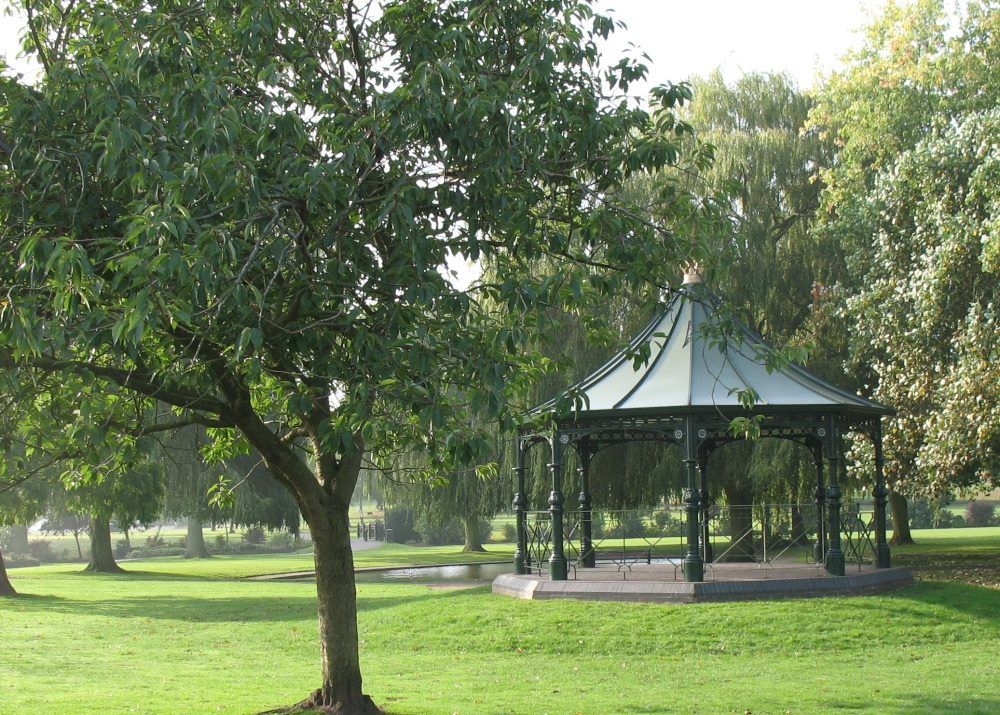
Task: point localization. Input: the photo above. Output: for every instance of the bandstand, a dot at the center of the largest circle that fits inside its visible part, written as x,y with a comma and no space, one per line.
688,393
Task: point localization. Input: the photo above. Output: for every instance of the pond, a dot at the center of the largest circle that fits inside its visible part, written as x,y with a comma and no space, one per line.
456,572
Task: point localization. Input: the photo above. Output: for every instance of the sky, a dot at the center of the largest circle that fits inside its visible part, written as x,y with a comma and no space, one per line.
801,38
692,37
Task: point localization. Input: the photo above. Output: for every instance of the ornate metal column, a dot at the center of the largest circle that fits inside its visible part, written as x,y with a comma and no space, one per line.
883,558
557,559
694,567
834,554
520,505
819,548
706,540
587,556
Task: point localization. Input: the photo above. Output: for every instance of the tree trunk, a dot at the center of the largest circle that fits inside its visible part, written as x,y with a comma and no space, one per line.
17,539
741,532
128,541
102,557
473,542
195,548
900,520
338,616
6,589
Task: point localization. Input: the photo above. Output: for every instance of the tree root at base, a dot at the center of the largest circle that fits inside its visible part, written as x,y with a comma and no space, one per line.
324,704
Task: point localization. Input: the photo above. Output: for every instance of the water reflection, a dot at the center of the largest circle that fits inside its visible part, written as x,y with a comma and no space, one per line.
458,572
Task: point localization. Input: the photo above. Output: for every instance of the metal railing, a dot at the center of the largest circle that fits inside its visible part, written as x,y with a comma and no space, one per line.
764,534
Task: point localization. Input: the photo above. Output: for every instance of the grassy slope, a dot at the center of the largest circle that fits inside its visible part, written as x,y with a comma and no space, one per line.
184,637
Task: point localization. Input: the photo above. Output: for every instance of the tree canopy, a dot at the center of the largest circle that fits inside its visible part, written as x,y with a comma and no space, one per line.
911,197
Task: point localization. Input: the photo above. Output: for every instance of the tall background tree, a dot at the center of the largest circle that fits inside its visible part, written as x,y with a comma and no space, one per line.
187,483
911,198
751,154
128,498
21,502
242,211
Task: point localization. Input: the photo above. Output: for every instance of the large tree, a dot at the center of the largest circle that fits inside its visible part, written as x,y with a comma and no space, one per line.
187,483
752,153
20,503
243,210
910,199
129,498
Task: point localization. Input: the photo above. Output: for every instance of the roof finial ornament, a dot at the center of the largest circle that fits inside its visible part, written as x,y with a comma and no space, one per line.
692,272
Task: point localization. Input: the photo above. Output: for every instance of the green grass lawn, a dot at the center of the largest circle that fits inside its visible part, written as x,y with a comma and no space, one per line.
181,636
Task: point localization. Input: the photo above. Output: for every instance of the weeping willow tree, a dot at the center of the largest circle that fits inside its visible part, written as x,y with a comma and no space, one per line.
470,497
188,480
750,152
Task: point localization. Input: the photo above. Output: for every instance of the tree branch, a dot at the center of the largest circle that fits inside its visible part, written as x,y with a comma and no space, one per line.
138,381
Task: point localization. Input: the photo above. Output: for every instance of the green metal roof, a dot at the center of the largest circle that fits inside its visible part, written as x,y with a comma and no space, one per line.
690,369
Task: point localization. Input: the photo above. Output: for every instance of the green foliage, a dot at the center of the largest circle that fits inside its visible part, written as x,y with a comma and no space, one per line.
509,533
130,498
273,230
980,513
913,199
254,535
437,532
400,525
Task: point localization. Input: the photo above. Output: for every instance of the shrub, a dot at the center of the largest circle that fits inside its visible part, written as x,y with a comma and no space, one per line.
449,531
979,513
239,547
122,549
42,551
254,535
280,541
151,552
439,533
624,523
220,541
944,519
16,561
400,524
509,532
155,540
667,525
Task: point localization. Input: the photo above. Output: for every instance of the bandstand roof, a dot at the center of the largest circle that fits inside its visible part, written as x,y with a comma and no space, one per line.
691,369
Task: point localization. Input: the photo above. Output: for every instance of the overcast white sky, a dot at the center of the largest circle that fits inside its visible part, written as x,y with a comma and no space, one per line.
692,37
797,37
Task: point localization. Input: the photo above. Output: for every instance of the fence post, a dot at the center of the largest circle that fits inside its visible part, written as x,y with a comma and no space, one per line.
520,505
819,548
883,558
694,567
834,554
587,556
557,559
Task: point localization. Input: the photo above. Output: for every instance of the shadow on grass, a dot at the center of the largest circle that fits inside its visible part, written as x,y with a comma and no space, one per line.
975,601
250,609
901,705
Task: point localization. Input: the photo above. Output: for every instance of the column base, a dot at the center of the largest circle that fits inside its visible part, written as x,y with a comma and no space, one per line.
557,568
694,569
519,567
883,559
835,564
